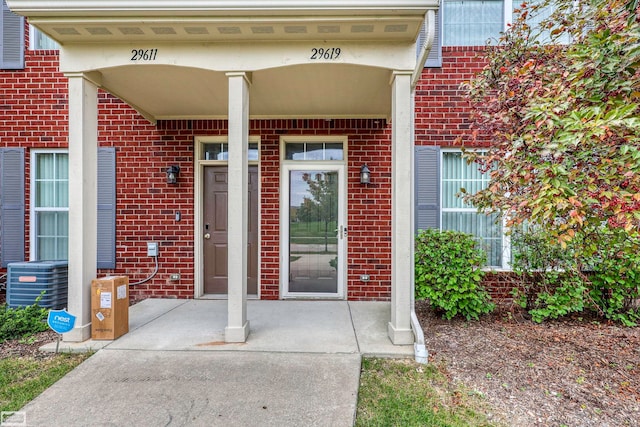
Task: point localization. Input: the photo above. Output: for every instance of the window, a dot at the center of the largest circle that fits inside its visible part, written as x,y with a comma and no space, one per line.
440,174
310,151
460,216
471,22
50,205
220,151
40,41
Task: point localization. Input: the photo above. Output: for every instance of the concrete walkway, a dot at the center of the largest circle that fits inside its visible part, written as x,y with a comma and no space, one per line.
299,367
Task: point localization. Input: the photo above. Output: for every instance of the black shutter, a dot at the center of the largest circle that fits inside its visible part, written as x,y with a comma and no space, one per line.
427,187
106,207
11,205
11,40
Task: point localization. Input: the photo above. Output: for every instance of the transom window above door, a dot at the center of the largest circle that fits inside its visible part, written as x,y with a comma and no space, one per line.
314,151
220,151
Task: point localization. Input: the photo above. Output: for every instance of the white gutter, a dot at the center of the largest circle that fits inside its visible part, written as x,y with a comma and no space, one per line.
430,34
115,7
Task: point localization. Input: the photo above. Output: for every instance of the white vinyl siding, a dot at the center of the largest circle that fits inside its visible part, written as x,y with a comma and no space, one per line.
471,22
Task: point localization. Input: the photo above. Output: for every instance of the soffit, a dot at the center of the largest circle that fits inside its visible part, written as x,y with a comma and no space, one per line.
317,90
229,29
82,21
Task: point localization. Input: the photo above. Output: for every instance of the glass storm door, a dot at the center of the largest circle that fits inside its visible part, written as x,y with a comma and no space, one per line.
315,231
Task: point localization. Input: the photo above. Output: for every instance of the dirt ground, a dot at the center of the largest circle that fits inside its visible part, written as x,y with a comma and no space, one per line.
572,372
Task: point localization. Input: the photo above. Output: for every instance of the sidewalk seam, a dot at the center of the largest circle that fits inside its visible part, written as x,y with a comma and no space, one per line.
353,326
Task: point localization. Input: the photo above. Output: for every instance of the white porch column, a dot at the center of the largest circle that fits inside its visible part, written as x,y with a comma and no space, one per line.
237,328
83,161
402,262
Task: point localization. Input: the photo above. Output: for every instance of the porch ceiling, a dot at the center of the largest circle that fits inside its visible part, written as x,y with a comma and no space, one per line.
319,90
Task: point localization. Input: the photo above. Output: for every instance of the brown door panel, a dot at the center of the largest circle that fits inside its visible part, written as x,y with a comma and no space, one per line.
215,228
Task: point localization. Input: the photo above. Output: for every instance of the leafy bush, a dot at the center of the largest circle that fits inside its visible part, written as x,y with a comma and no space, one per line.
615,281
599,272
548,287
449,275
22,321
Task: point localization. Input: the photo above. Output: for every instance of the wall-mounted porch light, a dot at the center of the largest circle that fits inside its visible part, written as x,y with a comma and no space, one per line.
172,174
365,174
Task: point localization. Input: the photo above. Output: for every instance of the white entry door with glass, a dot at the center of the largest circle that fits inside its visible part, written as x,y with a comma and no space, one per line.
313,220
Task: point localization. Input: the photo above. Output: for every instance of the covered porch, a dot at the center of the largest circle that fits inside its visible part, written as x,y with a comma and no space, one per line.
335,327
236,60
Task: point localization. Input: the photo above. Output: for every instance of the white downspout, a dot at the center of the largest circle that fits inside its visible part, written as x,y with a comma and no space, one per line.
430,35
421,354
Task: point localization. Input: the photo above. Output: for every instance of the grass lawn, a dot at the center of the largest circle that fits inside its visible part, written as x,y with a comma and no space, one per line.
404,393
24,378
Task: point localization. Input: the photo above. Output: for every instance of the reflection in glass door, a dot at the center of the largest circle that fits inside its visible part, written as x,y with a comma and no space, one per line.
316,232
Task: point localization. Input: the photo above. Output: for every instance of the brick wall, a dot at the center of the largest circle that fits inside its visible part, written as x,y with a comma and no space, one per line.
34,110
442,116
441,111
368,208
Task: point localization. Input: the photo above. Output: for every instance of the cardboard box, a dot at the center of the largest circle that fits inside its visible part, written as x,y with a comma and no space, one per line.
109,307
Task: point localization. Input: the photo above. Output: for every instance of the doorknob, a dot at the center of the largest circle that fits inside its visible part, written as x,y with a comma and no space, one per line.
207,236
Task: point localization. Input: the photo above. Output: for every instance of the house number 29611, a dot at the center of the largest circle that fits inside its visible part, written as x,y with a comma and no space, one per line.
144,54
329,53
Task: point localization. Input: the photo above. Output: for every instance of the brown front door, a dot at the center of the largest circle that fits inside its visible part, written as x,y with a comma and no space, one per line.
215,230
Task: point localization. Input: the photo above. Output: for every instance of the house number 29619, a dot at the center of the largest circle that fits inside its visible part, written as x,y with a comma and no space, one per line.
329,53
144,54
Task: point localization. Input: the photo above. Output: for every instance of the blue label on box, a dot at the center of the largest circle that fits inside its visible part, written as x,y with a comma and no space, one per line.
61,321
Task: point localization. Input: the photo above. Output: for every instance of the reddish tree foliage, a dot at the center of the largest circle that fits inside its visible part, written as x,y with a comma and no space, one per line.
561,105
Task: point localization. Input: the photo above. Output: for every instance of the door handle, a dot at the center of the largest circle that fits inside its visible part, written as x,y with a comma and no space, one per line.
207,236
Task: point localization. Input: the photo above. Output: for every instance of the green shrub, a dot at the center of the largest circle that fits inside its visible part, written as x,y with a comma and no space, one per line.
615,281
599,271
549,287
449,274
22,321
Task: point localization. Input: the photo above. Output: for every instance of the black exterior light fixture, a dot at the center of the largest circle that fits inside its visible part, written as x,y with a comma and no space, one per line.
172,174
365,175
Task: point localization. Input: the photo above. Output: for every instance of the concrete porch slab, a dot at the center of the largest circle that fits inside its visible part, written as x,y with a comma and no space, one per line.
276,326
370,321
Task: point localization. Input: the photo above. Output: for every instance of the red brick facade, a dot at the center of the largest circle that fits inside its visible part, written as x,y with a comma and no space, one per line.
441,111
34,109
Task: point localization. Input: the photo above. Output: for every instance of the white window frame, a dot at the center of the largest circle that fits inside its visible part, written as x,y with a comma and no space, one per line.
506,241
33,210
286,166
33,36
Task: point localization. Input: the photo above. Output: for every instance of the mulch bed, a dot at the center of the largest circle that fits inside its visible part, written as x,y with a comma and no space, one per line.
574,372
28,347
